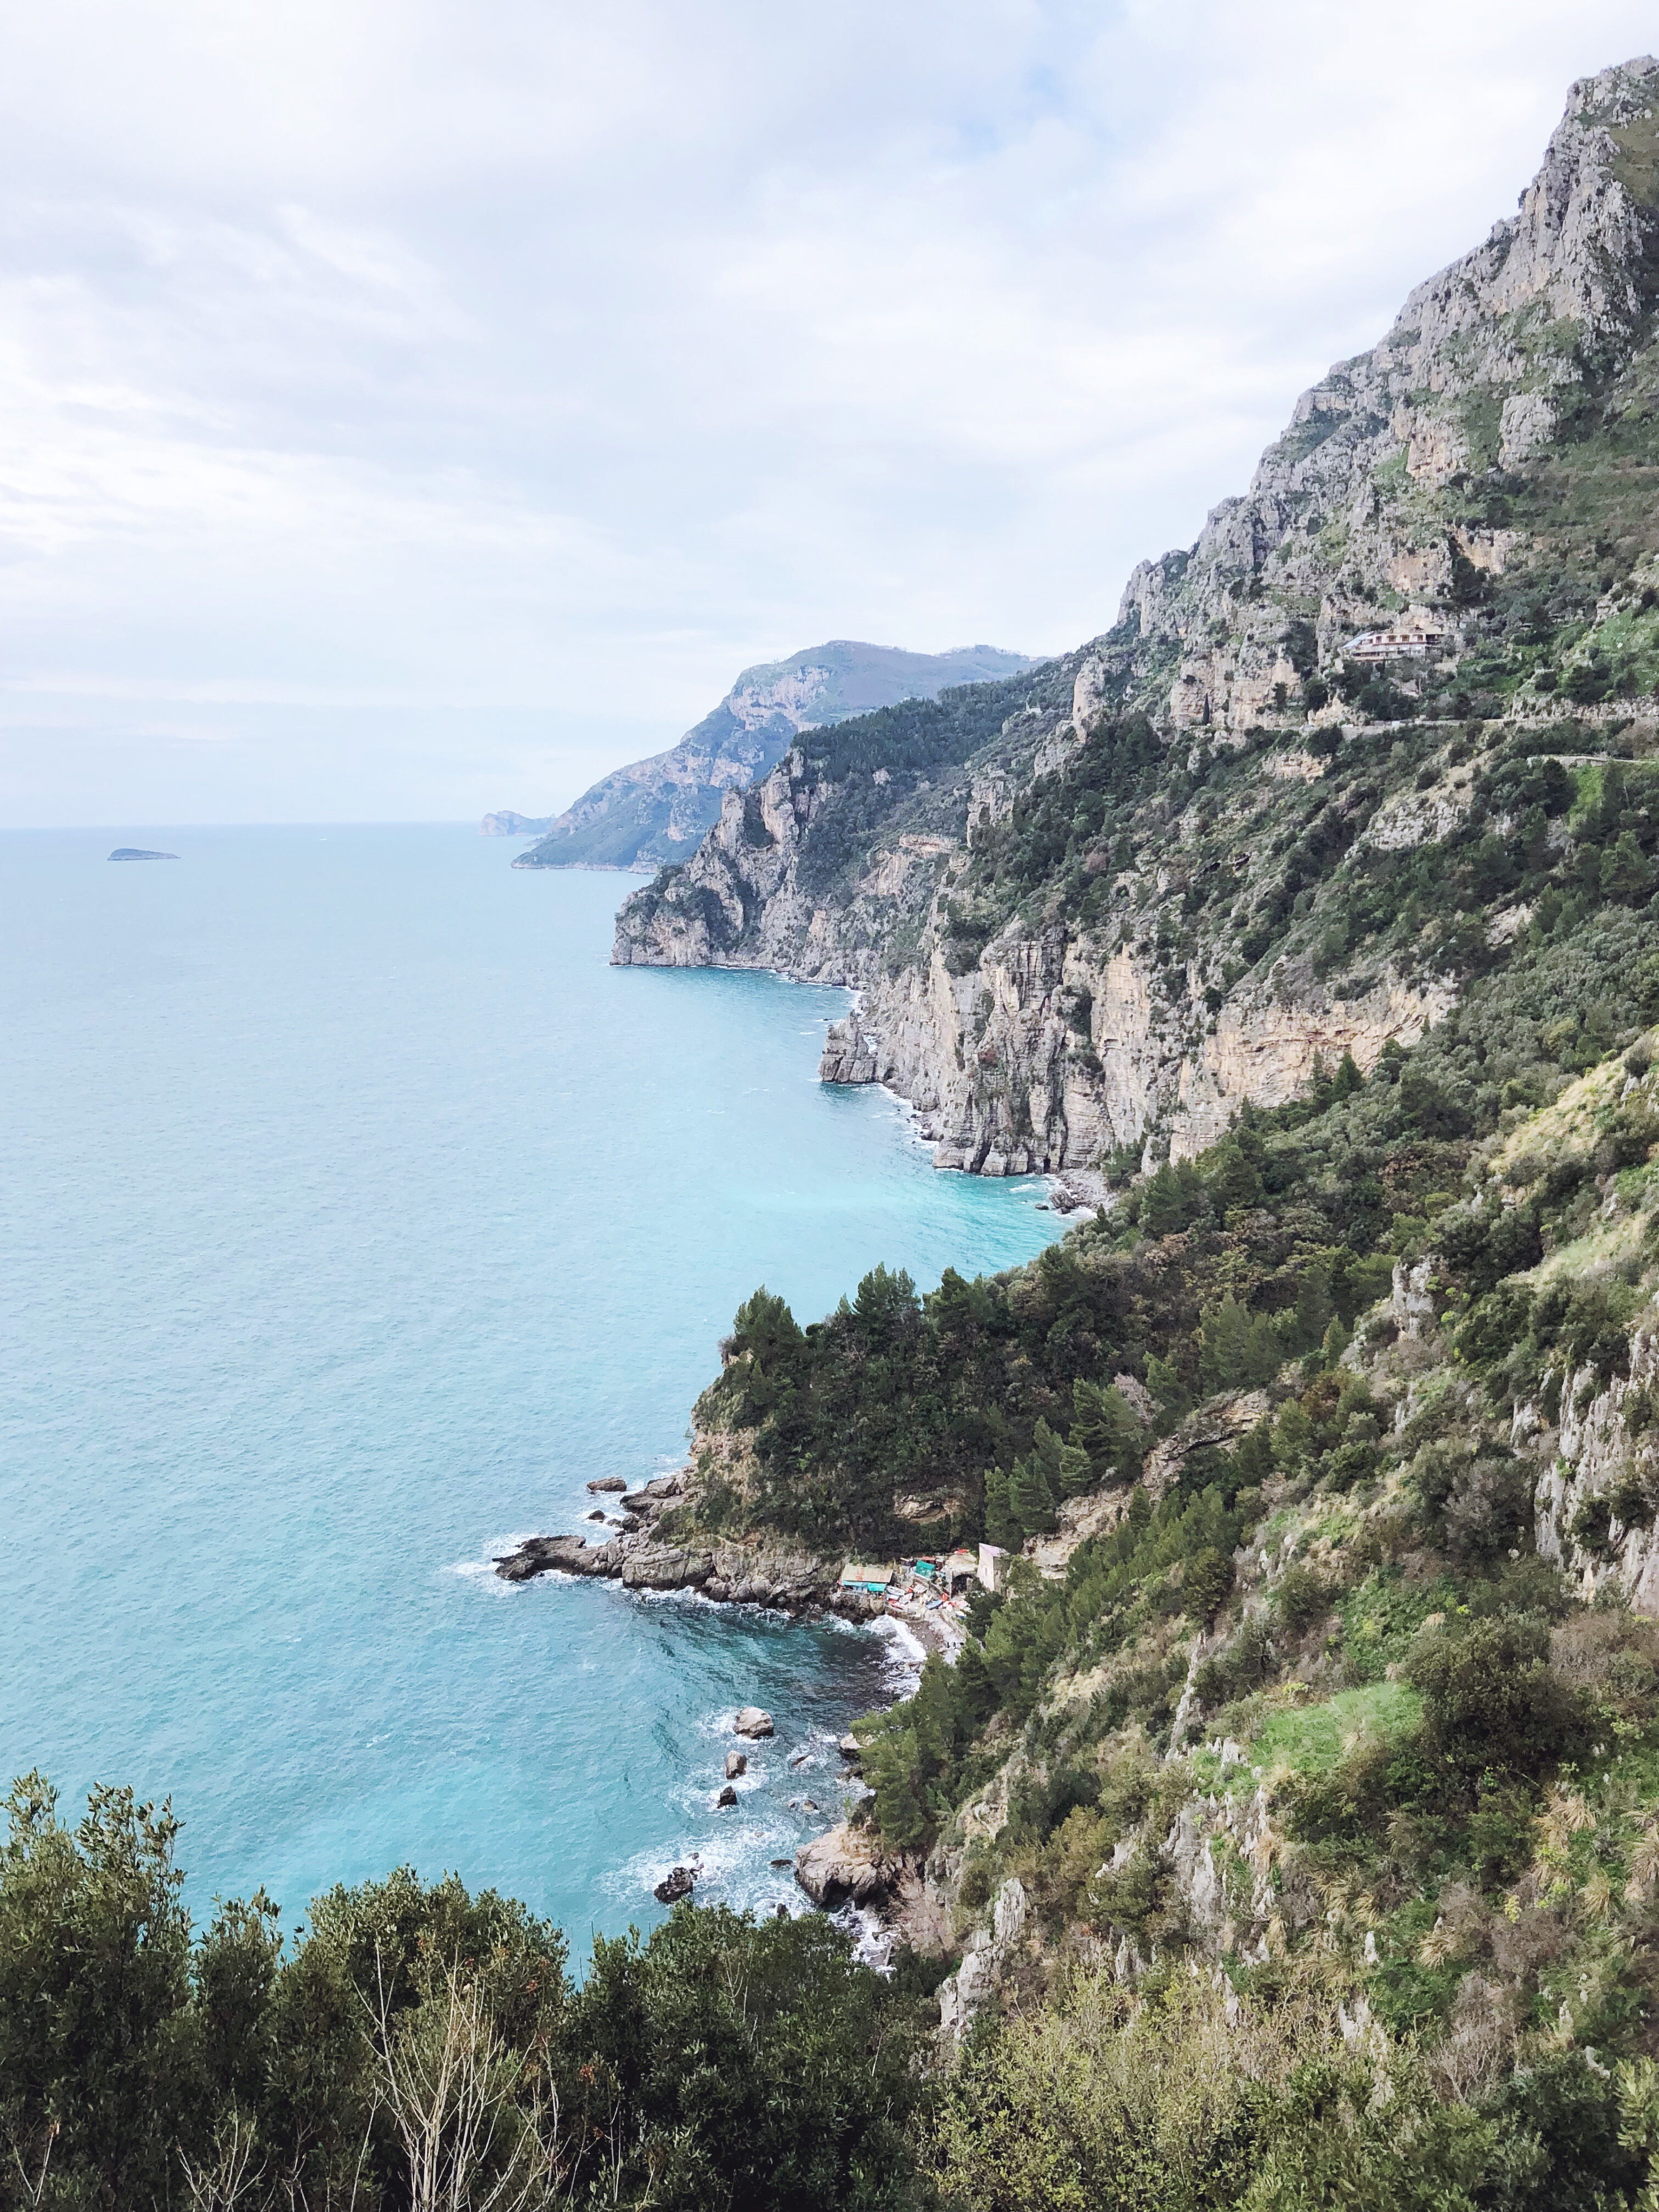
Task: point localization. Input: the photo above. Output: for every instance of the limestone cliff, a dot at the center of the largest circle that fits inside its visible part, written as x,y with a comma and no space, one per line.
1098,905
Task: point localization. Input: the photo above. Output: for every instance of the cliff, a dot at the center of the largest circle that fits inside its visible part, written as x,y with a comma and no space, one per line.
656,810
1091,910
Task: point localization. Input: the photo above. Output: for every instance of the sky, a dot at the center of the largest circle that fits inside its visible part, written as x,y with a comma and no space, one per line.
412,409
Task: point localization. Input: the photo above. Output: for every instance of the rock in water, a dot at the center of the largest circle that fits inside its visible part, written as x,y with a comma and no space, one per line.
752,1721
728,1797
846,1862
736,1764
851,1750
675,1886
608,1482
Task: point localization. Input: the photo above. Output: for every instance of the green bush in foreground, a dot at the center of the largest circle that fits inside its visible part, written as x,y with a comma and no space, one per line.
420,2047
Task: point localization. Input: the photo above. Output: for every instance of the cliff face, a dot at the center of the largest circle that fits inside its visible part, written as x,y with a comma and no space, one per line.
657,810
1106,901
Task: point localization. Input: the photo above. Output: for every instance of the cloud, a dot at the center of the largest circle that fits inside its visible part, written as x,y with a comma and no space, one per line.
446,402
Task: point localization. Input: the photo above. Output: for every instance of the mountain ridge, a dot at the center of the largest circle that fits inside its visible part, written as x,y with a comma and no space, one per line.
656,810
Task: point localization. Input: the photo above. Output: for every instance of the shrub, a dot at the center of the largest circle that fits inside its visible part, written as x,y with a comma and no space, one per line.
1302,1600
1490,1700
1207,1582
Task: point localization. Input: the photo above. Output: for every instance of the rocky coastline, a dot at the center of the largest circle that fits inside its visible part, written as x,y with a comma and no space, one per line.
845,1865
643,1555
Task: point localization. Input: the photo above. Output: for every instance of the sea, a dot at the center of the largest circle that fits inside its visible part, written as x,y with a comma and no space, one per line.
355,1214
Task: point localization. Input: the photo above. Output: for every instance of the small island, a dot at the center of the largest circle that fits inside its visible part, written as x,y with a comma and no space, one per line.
136,853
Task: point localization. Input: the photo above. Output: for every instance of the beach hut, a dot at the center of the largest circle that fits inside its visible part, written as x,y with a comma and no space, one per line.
874,1581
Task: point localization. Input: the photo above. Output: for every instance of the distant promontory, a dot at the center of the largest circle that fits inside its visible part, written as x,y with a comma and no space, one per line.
659,810
137,853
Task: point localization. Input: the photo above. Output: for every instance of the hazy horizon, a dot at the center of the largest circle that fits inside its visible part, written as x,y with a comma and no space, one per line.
407,416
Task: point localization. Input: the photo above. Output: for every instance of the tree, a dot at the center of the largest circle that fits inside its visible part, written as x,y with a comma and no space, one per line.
1105,1426
1490,1699
1207,1580
1626,877
1031,1500
97,2043
1233,1178
885,1303
1167,1387
1000,1526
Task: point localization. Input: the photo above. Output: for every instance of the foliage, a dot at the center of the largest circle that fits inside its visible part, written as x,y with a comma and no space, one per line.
420,2046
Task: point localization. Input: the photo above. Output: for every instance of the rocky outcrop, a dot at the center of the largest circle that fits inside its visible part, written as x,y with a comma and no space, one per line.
988,1954
751,1721
1477,371
846,1864
649,1552
1593,1508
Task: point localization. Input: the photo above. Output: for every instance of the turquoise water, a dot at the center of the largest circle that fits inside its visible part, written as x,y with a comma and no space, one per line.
356,1213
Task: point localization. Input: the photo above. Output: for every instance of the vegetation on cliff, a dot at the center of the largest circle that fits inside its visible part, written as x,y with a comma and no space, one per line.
1309,1755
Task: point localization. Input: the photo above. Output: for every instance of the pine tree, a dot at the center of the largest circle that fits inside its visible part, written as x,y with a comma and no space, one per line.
1224,1339
1030,1500
1105,1427
1000,1527
1626,877
1049,1454
1233,1179
1293,1433
1163,1210
898,1808
1075,1472
1166,1386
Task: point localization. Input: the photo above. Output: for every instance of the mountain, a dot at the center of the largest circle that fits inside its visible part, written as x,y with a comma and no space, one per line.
1284,1829
657,810
1270,815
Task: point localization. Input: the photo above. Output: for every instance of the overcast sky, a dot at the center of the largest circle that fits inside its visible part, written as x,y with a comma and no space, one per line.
411,409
